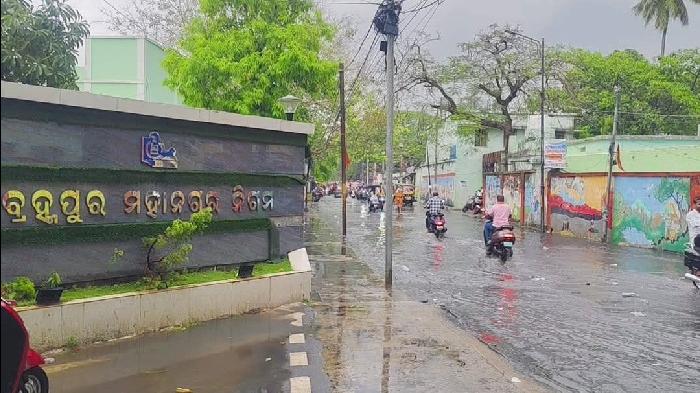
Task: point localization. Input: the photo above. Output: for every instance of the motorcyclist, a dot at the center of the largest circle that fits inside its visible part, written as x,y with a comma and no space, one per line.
499,215
434,205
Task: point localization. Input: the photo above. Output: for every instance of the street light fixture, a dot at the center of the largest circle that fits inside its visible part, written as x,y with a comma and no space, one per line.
290,104
540,45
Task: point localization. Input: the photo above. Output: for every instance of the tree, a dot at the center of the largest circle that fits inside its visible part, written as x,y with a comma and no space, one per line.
497,67
683,67
243,55
40,45
661,12
175,244
653,101
163,21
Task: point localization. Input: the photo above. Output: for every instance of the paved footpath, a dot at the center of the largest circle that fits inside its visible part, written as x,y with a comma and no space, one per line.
377,341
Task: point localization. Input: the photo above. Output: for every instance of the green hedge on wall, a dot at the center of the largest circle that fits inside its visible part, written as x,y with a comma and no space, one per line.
112,176
109,232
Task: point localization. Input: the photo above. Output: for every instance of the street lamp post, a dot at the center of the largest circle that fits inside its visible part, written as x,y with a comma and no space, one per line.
290,104
540,45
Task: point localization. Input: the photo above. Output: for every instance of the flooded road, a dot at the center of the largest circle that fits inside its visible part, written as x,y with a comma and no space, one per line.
556,310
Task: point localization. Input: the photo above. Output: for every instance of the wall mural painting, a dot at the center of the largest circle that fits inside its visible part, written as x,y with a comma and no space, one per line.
650,212
533,200
444,185
512,193
493,189
576,206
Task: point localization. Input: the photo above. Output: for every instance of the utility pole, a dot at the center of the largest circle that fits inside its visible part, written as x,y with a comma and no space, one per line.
386,21
343,152
542,96
611,162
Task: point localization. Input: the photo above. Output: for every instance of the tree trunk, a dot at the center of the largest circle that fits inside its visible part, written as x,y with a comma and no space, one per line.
663,42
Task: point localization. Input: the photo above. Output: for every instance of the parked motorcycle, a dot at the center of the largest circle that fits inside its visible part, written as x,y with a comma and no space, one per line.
21,365
474,204
502,242
317,194
692,261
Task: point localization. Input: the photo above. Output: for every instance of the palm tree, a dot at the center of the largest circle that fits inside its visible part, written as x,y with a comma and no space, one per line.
662,12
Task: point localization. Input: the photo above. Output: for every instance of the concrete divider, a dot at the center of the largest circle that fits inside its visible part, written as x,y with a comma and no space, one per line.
128,314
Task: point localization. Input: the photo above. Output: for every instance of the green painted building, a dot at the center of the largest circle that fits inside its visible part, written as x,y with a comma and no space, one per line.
638,153
125,67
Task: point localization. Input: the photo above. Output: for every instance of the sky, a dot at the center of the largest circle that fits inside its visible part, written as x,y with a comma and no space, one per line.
599,25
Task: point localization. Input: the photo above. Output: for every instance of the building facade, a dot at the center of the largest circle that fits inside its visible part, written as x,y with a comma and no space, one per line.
125,67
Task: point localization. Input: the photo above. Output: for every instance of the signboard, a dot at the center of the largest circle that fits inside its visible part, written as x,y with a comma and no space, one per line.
555,155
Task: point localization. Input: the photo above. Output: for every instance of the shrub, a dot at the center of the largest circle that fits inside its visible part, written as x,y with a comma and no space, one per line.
21,289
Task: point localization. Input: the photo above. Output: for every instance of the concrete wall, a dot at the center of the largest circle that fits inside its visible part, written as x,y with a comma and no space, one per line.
110,317
57,141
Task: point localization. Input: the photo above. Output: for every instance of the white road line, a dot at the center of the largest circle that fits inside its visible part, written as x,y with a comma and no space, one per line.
297,338
297,319
300,384
298,359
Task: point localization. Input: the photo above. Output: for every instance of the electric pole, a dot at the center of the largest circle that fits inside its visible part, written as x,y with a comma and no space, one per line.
343,153
542,96
386,21
611,162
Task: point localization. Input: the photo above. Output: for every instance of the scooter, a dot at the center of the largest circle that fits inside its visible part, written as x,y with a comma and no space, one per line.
21,365
316,195
692,261
502,242
376,206
438,226
474,203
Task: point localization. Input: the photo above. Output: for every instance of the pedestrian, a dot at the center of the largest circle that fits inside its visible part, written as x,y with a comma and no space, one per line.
398,199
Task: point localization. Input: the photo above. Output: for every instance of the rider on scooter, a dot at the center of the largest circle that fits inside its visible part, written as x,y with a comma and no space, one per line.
500,216
434,205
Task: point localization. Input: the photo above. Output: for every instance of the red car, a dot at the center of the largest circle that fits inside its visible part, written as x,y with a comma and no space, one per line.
21,365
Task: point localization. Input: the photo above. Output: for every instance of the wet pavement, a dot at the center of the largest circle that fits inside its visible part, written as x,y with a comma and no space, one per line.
241,354
378,341
556,311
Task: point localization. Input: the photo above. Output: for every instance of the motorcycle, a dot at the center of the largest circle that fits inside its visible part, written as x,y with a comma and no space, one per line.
474,203
502,242
438,226
692,261
317,194
376,206
21,365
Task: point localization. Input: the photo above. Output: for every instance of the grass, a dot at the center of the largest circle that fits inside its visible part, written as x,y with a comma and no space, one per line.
179,279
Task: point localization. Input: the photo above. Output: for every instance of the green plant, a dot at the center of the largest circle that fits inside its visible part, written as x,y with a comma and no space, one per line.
72,343
175,244
54,281
117,254
21,289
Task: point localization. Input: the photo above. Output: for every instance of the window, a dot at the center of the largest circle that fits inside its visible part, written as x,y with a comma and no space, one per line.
453,152
559,133
481,138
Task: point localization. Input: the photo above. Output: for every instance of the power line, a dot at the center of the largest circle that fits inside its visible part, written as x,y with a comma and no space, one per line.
361,45
419,8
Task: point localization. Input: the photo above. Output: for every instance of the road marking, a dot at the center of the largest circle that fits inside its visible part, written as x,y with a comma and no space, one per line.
300,384
297,338
298,359
297,319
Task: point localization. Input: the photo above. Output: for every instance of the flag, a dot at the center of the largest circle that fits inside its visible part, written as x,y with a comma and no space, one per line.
618,159
346,160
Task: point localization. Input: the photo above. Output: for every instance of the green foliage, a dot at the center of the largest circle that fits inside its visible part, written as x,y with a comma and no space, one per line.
243,55
39,45
653,101
54,281
675,189
683,67
661,12
71,343
21,289
174,243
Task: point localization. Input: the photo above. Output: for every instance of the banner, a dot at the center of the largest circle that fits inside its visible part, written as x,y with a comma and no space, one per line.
555,155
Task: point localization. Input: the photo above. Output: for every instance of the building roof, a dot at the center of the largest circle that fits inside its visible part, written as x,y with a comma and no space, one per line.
73,98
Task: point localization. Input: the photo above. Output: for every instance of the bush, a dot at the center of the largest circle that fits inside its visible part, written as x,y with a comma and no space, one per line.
21,289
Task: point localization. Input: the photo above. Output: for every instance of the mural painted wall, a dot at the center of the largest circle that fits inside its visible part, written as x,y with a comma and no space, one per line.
512,194
576,206
650,212
532,200
492,189
444,185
